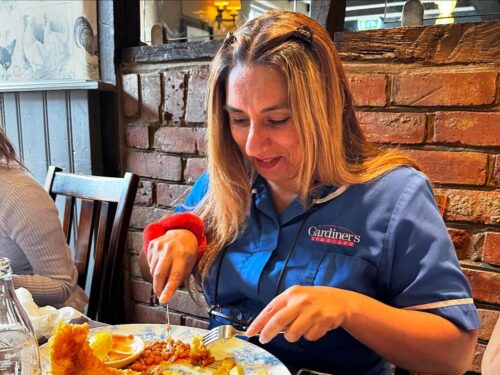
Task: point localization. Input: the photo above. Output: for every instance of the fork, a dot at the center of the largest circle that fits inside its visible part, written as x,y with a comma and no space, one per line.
223,332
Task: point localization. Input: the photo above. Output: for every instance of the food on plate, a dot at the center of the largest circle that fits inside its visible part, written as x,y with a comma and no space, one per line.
71,354
101,344
170,350
116,350
225,367
229,367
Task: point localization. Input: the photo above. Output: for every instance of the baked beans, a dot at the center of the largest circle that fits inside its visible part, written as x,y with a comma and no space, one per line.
170,350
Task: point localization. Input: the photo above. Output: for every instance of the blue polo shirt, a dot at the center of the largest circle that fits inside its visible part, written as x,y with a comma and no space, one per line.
385,239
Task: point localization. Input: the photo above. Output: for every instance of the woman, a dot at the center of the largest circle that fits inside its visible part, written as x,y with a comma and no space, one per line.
32,238
309,229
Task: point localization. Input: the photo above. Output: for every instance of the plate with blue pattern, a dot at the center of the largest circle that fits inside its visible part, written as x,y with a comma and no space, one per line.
253,359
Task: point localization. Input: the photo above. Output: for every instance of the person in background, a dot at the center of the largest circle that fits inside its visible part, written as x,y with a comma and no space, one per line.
32,238
300,225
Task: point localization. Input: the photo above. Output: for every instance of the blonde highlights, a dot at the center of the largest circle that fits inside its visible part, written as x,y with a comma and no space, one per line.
334,147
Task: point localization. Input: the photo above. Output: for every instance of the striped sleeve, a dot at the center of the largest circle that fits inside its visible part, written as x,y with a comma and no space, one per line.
29,218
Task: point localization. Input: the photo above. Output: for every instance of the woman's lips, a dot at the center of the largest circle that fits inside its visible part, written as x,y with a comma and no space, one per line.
267,163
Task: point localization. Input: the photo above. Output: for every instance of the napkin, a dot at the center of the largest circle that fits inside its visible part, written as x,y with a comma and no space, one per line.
45,319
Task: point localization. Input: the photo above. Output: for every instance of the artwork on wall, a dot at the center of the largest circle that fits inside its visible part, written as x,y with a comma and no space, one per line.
52,40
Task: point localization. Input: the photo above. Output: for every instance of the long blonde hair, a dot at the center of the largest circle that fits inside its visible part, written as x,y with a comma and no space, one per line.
335,149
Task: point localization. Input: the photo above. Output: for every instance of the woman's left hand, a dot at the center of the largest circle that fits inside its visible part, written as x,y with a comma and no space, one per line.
302,311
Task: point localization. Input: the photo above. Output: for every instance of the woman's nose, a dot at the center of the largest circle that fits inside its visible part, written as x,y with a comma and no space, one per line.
257,140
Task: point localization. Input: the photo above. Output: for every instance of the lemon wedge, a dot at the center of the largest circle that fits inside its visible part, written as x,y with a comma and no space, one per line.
101,344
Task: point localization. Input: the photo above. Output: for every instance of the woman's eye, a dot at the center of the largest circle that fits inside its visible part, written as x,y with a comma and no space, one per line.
279,121
239,121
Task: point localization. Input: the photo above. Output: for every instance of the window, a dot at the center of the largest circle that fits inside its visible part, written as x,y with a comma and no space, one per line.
370,14
200,20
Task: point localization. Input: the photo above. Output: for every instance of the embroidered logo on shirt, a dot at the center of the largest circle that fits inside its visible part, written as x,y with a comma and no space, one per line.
333,235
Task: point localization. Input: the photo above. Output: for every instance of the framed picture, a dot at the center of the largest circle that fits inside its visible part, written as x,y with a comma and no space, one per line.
196,30
48,40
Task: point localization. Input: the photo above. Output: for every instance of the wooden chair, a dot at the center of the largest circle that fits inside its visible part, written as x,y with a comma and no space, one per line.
105,205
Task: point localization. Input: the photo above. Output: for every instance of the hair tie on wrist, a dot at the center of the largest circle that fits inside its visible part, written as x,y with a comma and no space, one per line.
184,220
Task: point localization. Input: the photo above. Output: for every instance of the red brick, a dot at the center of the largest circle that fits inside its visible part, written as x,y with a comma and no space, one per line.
393,127
485,285
445,89
442,204
491,248
467,128
496,171
488,321
368,89
138,136
195,108
154,314
133,266
174,105
134,242
142,216
183,302
201,140
197,323
130,98
461,241
144,195
452,167
142,291
154,165
477,247
171,195
175,139
194,168
472,205
150,97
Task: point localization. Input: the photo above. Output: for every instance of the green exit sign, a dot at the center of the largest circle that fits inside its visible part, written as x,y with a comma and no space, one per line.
367,24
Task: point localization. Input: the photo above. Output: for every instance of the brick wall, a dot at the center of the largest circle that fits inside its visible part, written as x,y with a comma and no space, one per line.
449,122
163,117
445,116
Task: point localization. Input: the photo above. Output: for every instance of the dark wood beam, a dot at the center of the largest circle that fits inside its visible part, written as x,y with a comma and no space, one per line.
172,52
106,34
118,27
443,44
127,23
319,10
330,14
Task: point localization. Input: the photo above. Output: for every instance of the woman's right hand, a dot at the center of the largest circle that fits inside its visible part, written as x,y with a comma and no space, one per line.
171,259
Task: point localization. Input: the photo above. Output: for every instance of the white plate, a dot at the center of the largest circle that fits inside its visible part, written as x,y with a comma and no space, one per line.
136,346
252,358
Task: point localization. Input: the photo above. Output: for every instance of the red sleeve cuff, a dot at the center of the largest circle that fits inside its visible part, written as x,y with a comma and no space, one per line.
184,220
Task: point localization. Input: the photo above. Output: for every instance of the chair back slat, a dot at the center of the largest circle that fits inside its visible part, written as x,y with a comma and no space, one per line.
117,241
50,179
87,187
100,256
69,209
83,241
104,215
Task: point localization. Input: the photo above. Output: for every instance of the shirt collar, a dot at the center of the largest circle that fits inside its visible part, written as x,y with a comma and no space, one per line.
263,200
328,196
